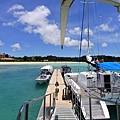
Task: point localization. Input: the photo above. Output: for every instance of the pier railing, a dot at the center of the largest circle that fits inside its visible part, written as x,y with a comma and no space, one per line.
69,94
24,109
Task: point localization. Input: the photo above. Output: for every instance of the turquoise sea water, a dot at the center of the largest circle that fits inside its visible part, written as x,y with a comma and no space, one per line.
17,85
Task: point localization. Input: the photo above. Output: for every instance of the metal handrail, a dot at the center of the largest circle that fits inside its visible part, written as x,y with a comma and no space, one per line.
74,102
25,106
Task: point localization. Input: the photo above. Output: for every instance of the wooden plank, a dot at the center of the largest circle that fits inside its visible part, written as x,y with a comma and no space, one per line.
57,77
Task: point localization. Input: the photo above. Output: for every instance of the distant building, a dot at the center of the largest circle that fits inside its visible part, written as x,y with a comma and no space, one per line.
2,56
45,60
7,59
33,58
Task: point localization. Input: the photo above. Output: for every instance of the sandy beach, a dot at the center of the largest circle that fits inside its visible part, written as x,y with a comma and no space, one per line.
18,63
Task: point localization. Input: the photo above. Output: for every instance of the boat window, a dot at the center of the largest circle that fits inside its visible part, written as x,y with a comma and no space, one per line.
90,77
68,75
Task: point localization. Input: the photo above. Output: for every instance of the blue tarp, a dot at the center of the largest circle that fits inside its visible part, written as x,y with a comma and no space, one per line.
109,65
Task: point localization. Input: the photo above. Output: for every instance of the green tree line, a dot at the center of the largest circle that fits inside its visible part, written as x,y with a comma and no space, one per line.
51,58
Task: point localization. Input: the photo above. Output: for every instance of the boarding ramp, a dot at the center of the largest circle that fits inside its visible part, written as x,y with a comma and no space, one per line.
63,113
93,108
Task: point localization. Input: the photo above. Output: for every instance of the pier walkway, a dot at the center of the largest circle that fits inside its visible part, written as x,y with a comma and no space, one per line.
59,103
57,77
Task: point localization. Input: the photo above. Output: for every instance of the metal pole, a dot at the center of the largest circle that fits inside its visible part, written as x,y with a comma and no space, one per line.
80,109
50,101
117,108
72,99
63,95
75,100
44,108
26,112
54,104
90,108
50,107
75,103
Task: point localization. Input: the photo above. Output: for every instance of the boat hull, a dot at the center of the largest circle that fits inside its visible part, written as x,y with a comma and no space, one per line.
42,79
45,74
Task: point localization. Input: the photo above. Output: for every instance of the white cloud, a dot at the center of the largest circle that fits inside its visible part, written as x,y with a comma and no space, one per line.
69,42
116,35
86,32
9,23
16,47
75,31
105,27
110,20
85,44
15,7
37,17
104,44
49,34
37,22
118,17
28,29
1,43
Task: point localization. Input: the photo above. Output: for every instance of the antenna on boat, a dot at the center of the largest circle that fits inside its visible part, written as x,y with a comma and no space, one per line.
81,35
88,21
88,27
88,31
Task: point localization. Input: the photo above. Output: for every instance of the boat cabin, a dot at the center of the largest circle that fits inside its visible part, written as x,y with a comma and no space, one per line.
106,81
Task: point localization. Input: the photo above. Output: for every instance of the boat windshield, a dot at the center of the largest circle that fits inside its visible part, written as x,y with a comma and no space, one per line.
44,71
66,69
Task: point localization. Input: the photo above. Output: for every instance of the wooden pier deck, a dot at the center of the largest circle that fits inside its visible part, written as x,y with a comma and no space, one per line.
51,88
56,76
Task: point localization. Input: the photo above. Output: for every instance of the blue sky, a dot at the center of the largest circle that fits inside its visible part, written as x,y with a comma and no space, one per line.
32,27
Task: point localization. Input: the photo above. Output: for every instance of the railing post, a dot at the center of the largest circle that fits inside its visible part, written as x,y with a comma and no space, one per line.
44,108
26,112
117,108
65,93
50,101
63,96
90,108
75,107
78,106
75,99
80,109
50,107
72,99
54,102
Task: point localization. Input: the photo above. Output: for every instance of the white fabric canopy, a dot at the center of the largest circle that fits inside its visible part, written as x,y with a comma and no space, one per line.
65,6
115,3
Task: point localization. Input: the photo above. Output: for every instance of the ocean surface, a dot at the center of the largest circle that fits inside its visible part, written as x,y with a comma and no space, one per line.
17,85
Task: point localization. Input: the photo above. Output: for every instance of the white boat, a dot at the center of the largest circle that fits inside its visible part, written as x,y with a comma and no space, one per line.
101,83
65,69
45,74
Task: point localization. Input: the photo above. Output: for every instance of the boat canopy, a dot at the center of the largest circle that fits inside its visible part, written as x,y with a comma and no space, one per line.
109,65
115,3
65,6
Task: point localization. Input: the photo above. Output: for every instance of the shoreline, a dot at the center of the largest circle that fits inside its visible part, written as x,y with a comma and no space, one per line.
20,63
